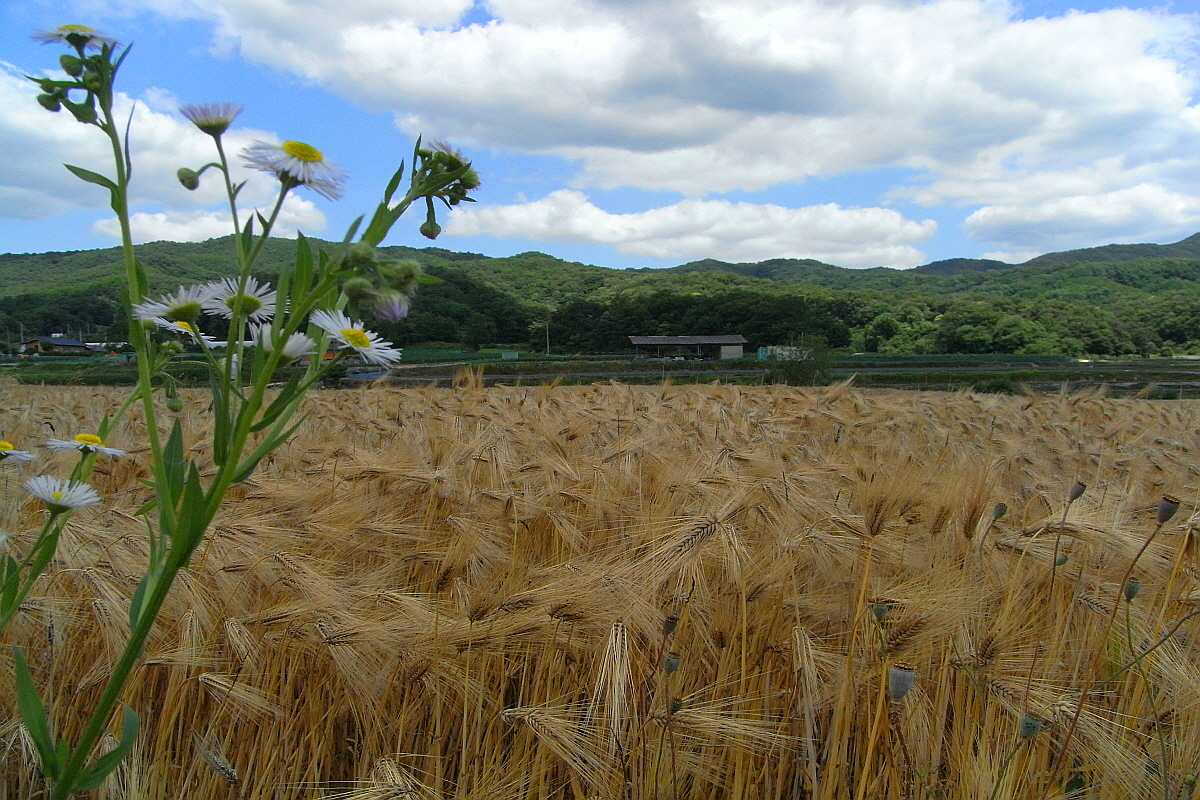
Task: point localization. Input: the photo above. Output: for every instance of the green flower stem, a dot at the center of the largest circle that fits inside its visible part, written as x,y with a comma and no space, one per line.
97,723
34,563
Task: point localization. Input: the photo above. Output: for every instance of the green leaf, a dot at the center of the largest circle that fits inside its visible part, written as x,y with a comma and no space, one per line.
393,184
94,775
146,507
92,177
33,714
10,584
302,279
353,229
248,464
172,456
281,401
221,420
135,602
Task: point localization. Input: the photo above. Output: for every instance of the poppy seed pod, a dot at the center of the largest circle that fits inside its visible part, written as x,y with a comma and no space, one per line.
1167,506
1077,490
999,510
1131,589
1029,726
900,680
671,662
669,623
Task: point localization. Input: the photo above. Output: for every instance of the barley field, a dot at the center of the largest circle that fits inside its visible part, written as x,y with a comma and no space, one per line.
644,593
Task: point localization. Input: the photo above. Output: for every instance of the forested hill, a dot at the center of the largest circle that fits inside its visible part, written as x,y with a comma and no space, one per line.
1108,300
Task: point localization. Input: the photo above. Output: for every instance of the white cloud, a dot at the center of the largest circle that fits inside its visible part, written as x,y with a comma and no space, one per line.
297,214
708,96
853,237
34,184
1146,211
1012,257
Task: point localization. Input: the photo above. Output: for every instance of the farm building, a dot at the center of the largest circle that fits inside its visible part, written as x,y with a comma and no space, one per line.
54,344
723,347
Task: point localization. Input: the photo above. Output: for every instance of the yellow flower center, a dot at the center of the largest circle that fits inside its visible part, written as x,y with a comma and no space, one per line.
355,337
74,29
88,438
57,495
302,151
6,446
187,326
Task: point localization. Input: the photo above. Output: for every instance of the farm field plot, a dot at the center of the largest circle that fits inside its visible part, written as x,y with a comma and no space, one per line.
645,592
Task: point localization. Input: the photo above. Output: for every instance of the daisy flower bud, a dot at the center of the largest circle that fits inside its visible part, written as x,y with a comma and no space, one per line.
61,495
430,229
85,443
391,306
70,65
189,178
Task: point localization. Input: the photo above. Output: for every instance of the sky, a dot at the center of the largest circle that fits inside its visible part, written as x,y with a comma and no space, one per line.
643,133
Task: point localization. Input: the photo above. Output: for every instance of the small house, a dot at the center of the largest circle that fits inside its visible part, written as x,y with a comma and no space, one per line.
54,344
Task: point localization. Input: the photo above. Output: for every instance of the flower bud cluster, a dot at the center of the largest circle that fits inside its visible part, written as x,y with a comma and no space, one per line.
88,72
382,286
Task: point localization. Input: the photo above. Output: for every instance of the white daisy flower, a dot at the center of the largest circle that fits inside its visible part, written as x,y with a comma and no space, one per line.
297,164
350,333
80,36
184,304
62,495
85,443
181,326
212,118
8,451
297,346
256,301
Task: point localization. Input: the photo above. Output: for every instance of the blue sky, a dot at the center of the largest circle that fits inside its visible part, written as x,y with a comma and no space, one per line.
632,133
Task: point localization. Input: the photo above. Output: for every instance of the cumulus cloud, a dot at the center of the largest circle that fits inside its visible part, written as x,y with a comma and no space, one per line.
36,185
729,94
296,215
853,237
1146,211
1022,116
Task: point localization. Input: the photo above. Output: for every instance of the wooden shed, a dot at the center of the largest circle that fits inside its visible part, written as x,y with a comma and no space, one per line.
723,347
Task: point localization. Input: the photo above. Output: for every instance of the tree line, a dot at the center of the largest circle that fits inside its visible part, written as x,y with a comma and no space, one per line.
1146,305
